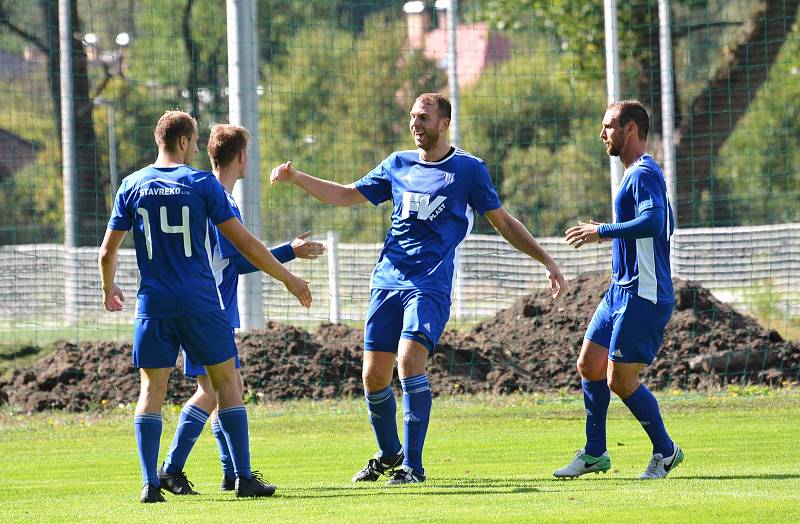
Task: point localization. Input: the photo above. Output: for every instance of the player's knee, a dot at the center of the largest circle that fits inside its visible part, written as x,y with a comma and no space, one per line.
590,370
375,380
622,387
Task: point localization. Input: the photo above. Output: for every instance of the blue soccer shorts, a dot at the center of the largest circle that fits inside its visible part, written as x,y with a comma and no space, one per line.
207,339
410,314
190,369
630,326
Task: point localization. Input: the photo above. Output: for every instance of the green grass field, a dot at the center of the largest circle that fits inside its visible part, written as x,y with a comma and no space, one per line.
487,459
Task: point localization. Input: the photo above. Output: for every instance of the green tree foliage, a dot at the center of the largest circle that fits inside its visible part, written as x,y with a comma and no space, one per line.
761,161
536,126
336,106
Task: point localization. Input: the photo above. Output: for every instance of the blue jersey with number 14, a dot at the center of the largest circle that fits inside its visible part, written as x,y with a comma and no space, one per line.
168,210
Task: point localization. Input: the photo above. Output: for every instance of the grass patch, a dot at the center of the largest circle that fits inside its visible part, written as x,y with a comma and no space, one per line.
487,459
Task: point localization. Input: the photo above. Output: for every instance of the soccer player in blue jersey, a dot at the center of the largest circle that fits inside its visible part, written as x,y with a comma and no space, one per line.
168,205
435,191
626,331
227,149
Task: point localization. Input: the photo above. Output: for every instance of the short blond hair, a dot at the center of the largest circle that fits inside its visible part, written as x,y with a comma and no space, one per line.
225,142
171,126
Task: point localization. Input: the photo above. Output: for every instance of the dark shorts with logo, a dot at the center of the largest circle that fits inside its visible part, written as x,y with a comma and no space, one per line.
410,314
630,326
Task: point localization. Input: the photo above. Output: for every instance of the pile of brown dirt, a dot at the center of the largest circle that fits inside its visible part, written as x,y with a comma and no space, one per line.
531,346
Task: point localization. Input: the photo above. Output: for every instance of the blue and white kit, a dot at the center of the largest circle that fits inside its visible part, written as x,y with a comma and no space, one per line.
178,303
630,320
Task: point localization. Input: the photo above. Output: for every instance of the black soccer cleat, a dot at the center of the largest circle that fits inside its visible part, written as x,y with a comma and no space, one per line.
405,475
151,494
378,466
228,483
175,483
254,486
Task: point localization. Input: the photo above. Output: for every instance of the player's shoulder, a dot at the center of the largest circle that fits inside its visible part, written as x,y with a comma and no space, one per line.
646,165
468,158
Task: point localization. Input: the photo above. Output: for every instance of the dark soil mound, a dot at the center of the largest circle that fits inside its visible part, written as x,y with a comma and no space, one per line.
531,346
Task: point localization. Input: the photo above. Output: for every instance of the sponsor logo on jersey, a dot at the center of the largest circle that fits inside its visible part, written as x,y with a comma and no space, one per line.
162,191
421,204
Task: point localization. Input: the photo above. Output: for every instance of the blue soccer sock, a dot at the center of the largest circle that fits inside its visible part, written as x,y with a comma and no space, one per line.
224,451
147,428
596,397
382,409
190,426
233,422
416,415
644,407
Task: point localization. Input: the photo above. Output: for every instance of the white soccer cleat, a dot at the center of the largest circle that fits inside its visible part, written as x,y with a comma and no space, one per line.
660,467
583,464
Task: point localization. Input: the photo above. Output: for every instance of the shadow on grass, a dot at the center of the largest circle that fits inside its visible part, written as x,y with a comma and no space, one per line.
436,487
764,476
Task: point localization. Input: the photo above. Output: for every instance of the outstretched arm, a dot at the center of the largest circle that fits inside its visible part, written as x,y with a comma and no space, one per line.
518,236
300,247
107,262
648,224
257,253
323,190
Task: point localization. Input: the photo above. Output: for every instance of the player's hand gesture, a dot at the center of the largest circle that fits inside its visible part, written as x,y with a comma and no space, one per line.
583,233
113,298
283,173
308,249
557,284
299,288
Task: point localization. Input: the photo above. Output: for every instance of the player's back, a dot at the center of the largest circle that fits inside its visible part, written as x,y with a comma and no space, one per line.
168,210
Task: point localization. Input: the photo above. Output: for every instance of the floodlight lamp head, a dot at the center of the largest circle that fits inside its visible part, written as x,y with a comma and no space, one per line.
90,39
412,8
123,39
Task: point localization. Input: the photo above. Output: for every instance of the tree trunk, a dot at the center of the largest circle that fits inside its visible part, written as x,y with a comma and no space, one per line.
714,113
91,198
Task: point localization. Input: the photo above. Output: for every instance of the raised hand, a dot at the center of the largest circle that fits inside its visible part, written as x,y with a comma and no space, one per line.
283,173
308,249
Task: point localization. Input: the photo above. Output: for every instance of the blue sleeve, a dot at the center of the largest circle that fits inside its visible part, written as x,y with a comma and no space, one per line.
120,218
242,265
283,253
648,224
376,186
482,194
218,208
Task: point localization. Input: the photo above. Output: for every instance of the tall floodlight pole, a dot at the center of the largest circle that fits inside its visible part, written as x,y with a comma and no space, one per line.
452,72
68,161
612,83
667,102
451,8
243,111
